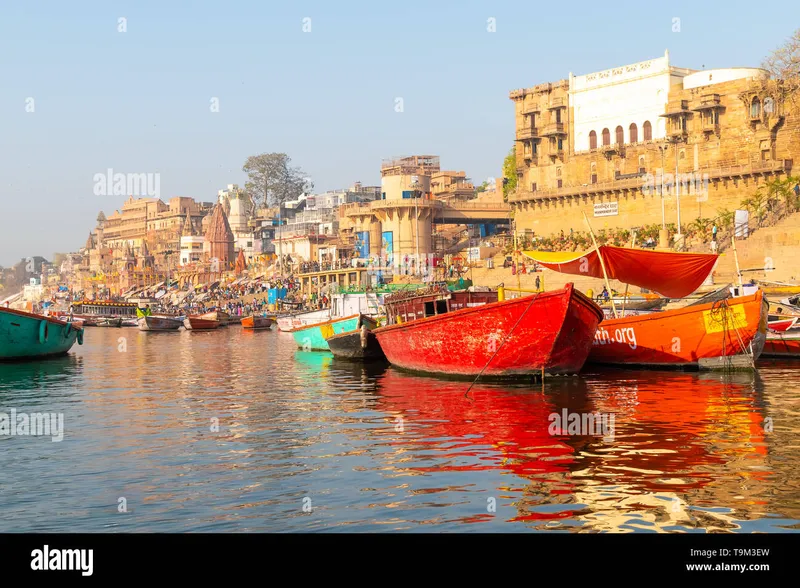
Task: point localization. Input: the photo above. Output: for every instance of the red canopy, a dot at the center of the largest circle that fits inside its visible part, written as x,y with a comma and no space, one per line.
670,274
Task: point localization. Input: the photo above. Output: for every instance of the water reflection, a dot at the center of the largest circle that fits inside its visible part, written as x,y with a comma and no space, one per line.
683,445
231,430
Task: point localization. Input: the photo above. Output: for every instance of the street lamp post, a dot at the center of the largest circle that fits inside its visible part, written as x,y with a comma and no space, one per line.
663,215
677,188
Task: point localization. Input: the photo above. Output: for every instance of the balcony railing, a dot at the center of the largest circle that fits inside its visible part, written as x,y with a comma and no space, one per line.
527,133
707,101
676,133
677,107
557,103
556,128
709,126
716,172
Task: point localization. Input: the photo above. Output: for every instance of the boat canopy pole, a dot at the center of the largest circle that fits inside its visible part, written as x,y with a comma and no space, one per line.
736,259
602,265
625,297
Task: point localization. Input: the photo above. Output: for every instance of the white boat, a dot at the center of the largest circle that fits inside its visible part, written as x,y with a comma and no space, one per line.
289,322
160,323
342,305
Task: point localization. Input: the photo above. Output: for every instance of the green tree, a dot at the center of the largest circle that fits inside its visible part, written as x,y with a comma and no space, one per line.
510,173
756,205
700,227
271,179
482,187
780,190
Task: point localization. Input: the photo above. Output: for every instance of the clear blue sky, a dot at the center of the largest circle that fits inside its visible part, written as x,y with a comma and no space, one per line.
139,101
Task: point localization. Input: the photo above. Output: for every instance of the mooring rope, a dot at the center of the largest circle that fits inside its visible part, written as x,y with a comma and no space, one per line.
721,312
533,299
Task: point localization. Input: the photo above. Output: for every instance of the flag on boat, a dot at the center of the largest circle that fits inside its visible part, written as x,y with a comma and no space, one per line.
674,275
142,312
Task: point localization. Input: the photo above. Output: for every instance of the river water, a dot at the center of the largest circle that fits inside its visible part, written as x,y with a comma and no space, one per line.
239,431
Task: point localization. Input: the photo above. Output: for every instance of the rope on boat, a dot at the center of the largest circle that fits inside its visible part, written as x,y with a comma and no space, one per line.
524,312
723,310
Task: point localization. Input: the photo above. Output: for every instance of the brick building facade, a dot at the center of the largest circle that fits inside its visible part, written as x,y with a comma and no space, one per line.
608,143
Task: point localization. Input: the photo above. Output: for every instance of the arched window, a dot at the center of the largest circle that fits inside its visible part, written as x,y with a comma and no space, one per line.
620,136
755,108
606,137
648,131
634,133
592,140
594,173
559,182
641,164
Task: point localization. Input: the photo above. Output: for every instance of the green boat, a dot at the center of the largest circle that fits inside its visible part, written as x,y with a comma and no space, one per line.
312,337
24,335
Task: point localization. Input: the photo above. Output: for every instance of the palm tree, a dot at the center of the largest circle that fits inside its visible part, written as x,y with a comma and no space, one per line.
699,227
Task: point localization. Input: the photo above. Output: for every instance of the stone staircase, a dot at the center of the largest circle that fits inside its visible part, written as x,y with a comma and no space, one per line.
777,246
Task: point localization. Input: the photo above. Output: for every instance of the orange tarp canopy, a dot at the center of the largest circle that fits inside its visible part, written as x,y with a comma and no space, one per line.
674,275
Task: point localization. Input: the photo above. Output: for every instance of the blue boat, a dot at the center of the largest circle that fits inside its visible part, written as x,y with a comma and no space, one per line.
24,335
312,337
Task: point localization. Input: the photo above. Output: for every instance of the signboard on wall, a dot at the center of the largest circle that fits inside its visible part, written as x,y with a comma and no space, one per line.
606,209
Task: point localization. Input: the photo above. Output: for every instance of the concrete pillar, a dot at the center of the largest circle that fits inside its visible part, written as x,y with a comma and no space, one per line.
375,238
663,239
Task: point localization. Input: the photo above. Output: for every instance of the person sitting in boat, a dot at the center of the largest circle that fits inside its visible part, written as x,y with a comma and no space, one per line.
604,293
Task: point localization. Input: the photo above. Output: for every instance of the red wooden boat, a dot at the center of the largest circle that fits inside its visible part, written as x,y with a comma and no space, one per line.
256,322
469,334
782,325
782,345
697,336
198,323
223,318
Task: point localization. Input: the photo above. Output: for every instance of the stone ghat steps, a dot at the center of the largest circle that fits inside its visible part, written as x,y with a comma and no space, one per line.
777,246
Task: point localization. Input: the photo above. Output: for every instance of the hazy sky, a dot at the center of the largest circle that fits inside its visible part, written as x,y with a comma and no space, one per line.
140,101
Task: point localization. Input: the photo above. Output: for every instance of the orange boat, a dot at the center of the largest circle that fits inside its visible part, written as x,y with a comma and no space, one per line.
256,322
700,336
200,323
693,337
782,345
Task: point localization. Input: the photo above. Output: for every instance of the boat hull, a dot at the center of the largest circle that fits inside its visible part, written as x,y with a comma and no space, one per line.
548,333
684,338
109,322
22,335
159,323
196,323
288,323
781,326
355,346
313,337
223,318
782,345
256,323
